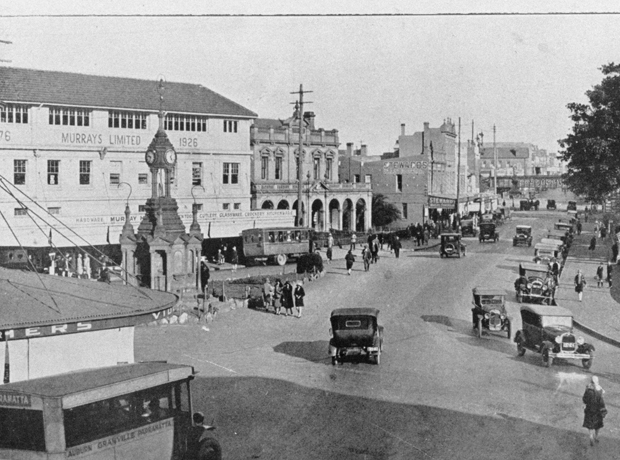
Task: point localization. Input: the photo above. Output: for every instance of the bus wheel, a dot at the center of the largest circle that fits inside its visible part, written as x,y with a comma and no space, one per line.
281,259
210,450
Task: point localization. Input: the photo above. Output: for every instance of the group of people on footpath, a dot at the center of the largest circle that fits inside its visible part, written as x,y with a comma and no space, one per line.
280,296
370,253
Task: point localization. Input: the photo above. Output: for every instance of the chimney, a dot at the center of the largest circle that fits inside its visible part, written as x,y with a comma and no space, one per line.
349,149
402,129
364,150
309,117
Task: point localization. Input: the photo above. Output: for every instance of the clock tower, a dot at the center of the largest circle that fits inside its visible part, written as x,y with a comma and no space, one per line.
162,253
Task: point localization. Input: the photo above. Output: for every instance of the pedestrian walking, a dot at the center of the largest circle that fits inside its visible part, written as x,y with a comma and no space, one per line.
349,259
299,295
595,410
580,284
353,240
277,296
287,298
396,245
592,246
330,241
234,259
374,250
614,252
599,275
366,257
329,255
205,274
578,227
610,269
268,292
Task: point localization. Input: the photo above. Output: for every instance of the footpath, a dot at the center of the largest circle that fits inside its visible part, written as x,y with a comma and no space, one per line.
597,313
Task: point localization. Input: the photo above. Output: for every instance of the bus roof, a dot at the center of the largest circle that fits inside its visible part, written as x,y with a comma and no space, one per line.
81,387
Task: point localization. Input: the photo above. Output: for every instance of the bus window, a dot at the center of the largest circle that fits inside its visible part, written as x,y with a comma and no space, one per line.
297,235
304,235
281,237
260,238
288,236
22,429
114,415
272,237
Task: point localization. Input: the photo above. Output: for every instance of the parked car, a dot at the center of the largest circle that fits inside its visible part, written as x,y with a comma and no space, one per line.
355,332
564,226
451,245
488,231
545,254
468,228
523,235
572,206
551,205
548,330
524,205
489,311
535,284
553,242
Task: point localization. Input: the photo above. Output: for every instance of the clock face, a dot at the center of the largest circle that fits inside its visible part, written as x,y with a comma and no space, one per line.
150,157
171,156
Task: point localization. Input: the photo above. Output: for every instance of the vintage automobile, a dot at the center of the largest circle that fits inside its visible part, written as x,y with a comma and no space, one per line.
451,245
524,205
572,206
535,284
489,311
523,235
562,235
468,228
488,231
551,204
545,253
355,332
565,226
548,330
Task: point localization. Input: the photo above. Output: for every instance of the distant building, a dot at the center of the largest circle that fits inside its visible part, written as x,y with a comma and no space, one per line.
420,176
274,175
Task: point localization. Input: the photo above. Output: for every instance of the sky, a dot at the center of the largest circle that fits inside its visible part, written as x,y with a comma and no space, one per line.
371,65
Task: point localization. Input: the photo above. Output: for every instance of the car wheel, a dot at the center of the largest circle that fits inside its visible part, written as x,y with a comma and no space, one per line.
479,327
547,360
587,363
520,348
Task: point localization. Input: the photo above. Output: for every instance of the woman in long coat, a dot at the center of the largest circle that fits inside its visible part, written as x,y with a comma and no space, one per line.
299,295
287,298
595,409
349,259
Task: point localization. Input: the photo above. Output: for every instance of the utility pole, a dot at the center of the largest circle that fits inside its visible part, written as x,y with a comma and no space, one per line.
495,163
458,178
300,173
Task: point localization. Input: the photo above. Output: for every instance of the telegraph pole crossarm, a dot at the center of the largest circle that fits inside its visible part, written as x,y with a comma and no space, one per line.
300,117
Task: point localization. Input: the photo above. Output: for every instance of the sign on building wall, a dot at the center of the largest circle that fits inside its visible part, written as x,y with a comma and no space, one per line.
405,167
530,181
440,202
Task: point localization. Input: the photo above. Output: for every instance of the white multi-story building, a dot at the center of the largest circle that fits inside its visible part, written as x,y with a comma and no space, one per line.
75,145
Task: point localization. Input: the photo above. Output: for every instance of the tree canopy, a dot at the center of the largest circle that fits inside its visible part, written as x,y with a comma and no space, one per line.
383,212
592,150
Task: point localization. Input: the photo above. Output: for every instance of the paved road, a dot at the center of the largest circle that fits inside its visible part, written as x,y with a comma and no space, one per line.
439,393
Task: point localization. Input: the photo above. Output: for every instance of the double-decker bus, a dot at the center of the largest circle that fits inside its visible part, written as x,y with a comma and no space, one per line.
136,411
275,244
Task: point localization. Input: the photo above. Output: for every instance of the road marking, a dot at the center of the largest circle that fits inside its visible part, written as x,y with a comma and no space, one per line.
210,362
400,439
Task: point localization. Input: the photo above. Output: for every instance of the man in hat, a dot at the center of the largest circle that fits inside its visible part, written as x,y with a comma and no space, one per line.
198,442
205,274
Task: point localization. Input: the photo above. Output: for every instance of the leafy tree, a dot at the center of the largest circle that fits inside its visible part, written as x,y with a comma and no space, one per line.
383,212
592,150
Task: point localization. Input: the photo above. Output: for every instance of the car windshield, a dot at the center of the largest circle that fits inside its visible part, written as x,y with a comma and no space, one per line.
548,321
523,231
450,239
491,300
